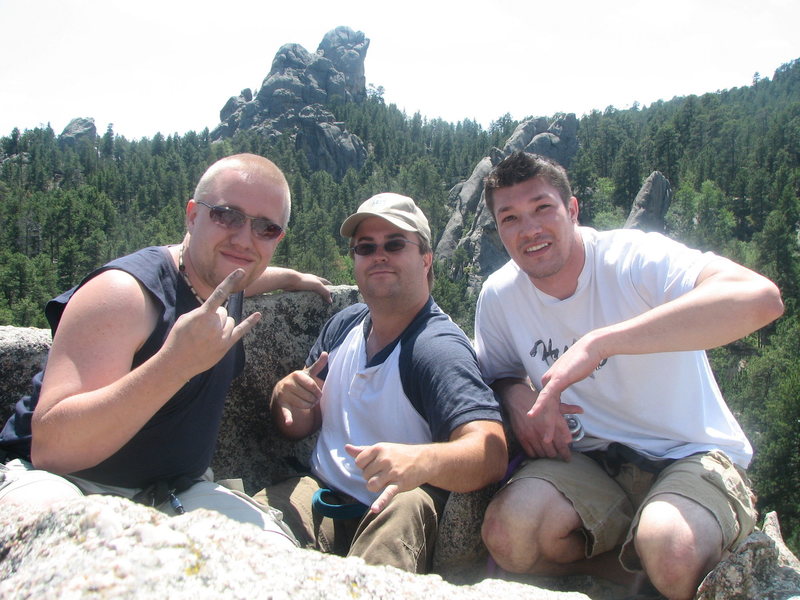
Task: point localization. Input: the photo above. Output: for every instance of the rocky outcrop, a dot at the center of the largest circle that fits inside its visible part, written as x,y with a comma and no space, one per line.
23,351
651,204
106,547
762,567
557,139
294,97
118,549
77,130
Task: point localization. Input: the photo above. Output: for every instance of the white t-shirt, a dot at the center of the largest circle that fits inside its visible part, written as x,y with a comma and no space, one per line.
362,405
664,405
417,390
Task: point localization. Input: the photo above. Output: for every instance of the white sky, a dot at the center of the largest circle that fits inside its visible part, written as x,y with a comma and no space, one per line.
170,65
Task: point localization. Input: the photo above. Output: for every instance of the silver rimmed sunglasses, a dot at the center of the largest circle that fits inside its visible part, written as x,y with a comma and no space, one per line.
233,218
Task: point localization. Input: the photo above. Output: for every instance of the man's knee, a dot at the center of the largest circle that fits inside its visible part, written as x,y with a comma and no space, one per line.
527,524
678,542
236,506
402,534
35,488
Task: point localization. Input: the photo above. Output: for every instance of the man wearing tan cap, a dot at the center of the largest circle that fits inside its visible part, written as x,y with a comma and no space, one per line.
394,388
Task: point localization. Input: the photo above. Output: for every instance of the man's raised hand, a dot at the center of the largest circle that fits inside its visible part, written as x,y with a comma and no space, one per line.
300,390
203,336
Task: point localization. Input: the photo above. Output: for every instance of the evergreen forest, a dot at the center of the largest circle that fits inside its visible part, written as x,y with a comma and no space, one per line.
732,158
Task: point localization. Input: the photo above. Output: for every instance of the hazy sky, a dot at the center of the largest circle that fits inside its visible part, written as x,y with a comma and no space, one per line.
170,65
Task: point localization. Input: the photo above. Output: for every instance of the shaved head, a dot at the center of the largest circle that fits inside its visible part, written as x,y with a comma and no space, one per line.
250,166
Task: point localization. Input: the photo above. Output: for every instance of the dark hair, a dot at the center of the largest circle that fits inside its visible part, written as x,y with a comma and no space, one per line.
425,248
522,166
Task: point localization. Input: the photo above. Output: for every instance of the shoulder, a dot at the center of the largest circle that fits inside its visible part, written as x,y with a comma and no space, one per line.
111,314
504,280
633,247
148,270
658,267
338,326
629,240
111,293
433,337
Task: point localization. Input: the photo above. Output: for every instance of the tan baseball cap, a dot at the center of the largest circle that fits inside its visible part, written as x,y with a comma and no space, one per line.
397,209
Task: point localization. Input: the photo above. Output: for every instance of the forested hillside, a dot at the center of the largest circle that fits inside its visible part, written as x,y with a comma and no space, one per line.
732,157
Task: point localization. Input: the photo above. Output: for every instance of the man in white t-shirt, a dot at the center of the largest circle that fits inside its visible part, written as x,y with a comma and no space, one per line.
612,327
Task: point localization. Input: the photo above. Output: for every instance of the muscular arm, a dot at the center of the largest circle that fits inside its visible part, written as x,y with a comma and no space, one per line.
92,402
727,302
473,457
278,278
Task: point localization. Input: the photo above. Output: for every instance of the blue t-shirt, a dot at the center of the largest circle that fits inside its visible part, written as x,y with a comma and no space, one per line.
180,438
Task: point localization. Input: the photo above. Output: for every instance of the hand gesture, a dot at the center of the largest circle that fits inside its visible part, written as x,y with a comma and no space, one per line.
200,338
577,363
300,390
388,469
520,401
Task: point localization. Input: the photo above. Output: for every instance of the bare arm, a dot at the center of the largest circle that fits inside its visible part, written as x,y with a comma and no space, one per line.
91,402
473,457
728,302
278,278
295,401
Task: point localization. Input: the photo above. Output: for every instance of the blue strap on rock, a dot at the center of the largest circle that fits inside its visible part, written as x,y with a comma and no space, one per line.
328,504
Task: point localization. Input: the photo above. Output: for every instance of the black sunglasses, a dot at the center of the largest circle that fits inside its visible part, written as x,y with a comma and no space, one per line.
232,218
393,245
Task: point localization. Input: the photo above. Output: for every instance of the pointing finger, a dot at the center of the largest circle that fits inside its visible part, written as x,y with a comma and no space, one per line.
318,365
224,289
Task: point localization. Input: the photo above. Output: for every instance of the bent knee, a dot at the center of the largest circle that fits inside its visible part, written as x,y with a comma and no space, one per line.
523,534
678,542
37,488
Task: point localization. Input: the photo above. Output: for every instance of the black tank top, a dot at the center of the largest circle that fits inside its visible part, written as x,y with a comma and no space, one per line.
179,440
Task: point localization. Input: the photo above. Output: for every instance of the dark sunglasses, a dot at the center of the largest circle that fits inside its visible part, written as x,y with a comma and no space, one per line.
393,245
232,218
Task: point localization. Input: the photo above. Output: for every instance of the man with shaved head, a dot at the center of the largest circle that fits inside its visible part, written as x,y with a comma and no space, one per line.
144,351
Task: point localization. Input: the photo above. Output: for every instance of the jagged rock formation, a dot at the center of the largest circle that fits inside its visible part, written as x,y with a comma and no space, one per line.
557,140
76,130
115,548
651,204
293,97
470,242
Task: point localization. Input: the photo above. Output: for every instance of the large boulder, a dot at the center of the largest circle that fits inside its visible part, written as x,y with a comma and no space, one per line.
106,547
651,204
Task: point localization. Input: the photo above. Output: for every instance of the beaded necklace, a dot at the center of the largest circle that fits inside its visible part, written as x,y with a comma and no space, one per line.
185,275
